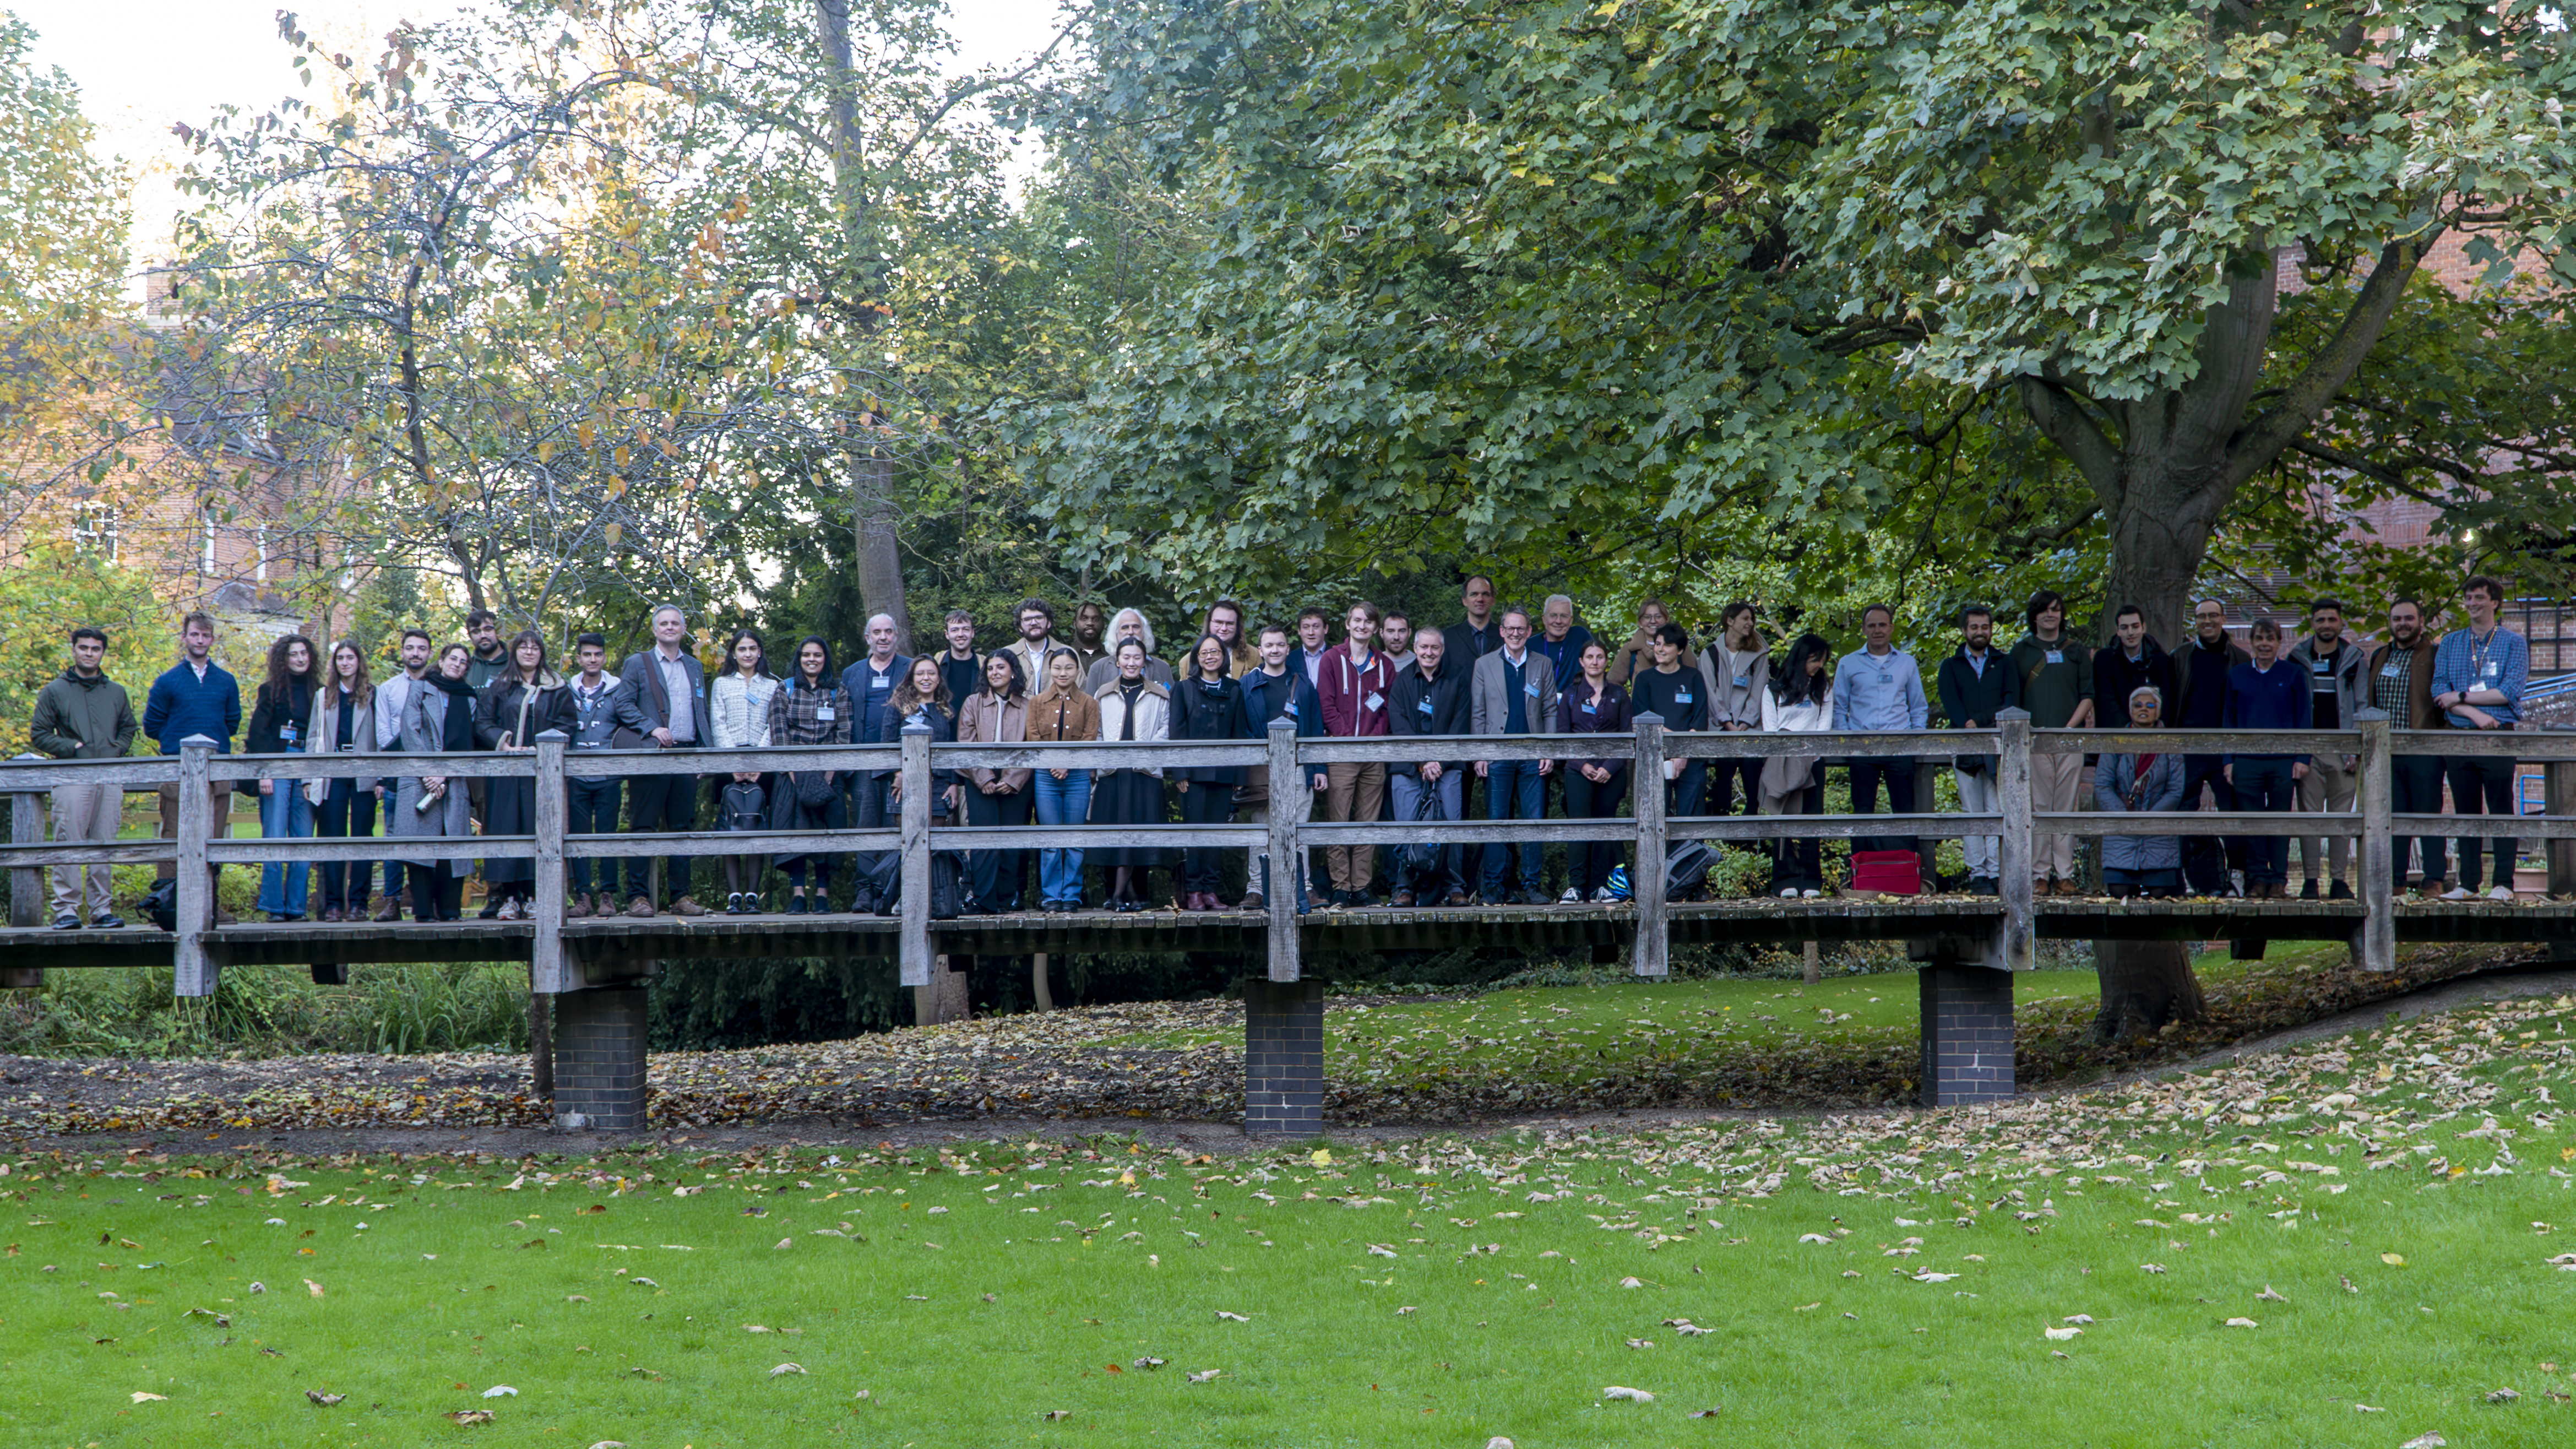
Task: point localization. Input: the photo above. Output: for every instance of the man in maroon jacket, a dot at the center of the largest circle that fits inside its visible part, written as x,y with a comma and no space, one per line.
1353,684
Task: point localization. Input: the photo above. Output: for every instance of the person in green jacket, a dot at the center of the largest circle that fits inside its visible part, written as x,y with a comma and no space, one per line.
2056,675
84,715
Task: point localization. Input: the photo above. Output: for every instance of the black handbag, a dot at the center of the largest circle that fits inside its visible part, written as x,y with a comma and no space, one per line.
814,788
1971,764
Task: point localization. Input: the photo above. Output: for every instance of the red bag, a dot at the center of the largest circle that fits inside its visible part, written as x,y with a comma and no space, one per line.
1889,872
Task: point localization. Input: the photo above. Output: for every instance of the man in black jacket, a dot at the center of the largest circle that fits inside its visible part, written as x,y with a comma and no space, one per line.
2131,661
1429,699
1975,682
662,695
2200,703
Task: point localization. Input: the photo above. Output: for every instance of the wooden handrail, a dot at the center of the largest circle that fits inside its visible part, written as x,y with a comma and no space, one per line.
1288,831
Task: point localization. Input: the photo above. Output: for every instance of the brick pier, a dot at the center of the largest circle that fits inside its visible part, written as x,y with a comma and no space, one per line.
1283,1057
599,1058
1967,1035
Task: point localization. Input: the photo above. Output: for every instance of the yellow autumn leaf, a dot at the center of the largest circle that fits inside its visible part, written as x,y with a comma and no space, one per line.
2393,1260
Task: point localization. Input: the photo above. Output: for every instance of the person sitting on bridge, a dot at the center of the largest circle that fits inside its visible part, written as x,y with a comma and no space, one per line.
2141,865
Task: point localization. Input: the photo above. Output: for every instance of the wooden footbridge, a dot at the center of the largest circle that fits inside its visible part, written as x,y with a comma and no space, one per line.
1968,946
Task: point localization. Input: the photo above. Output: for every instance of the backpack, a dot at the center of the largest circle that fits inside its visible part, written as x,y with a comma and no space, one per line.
947,884
162,903
1686,865
744,807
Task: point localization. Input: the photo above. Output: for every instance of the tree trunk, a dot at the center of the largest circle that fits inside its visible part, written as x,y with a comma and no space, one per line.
2145,984
880,560
541,1047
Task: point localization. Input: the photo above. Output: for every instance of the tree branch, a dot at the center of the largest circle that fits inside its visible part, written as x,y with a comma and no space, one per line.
2063,423
2254,449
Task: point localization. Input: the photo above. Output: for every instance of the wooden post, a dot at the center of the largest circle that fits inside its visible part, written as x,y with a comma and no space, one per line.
914,948
2012,836
27,883
1289,802
546,954
2377,943
1039,991
1646,878
192,975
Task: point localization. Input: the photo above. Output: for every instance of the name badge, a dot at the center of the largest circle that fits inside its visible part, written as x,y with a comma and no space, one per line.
2391,671
1425,706
1590,708
1681,696
1530,689
1291,710
879,683
2492,666
2056,656
825,715
1744,681
1374,700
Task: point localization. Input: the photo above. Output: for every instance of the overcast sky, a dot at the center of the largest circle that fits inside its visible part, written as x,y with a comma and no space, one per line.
143,64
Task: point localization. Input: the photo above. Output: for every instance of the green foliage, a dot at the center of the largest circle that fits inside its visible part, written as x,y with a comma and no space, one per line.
60,589
268,1012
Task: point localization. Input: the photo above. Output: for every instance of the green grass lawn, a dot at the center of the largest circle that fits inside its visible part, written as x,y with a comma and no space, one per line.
1881,1281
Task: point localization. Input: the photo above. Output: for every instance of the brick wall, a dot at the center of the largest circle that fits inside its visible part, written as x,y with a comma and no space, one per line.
1283,1057
599,1057
1967,1035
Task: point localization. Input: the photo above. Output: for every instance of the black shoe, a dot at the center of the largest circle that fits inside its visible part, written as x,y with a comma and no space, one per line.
796,905
1361,900
886,908
2339,892
2308,891
107,921
67,921
1980,885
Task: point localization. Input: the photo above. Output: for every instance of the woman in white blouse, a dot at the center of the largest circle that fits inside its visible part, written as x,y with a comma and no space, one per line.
1799,701
738,706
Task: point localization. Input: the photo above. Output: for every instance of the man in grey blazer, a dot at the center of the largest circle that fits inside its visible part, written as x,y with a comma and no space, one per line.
1512,691
662,700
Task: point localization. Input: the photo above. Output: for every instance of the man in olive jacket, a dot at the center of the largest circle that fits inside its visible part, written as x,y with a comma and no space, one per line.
84,715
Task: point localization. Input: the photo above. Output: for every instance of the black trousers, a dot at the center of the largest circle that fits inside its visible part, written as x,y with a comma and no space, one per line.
994,875
2206,859
1866,776
1588,863
2482,785
437,894
1801,863
657,803
347,811
1722,777
2415,788
1206,802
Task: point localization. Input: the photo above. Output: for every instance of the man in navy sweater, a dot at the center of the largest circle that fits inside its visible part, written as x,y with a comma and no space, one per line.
2267,695
196,696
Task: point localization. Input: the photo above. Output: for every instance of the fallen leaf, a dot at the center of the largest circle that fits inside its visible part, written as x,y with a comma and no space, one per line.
500,1391
2151,1267
220,1320
1205,1375
1381,1250
1703,1413
1151,1363
312,1287
787,1368
1321,1157
2077,1318
2061,1335
1641,1343
784,1243
643,1282
2393,1260
141,1397
1408,1308
2502,1396
2431,1440
2242,1323
1232,1317
258,1287
469,1416
2268,1296
1054,1414
609,1444
2360,1407
1616,1391
1813,1238
1631,1283
325,1400
753,1328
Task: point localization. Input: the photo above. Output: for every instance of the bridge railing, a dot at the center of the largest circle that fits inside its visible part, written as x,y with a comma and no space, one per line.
1289,828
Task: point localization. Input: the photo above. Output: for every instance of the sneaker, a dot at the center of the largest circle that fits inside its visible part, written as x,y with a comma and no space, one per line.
2339,892
1810,894
2308,891
1531,898
107,921
1572,897
1601,896
1788,893
2501,893
2456,893
67,921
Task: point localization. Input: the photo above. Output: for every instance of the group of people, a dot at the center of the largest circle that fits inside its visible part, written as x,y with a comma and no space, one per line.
1493,673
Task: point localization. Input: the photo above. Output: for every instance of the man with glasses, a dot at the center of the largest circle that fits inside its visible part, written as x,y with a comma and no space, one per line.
1512,691
2200,672
2401,684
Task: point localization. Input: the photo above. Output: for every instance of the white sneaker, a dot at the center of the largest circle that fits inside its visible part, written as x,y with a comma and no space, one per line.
1601,896
1788,893
2501,893
1811,895
1572,897
2456,893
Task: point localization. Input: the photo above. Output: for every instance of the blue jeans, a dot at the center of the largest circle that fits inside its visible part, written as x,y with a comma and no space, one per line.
284,814
1065,802
2264,784
346,812
591,809
1514,790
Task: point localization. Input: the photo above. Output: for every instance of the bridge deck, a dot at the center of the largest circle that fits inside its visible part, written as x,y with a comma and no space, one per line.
609,942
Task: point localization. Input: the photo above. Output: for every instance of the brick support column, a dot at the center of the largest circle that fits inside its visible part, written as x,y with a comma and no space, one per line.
1283,1057
1967,1035
599,1058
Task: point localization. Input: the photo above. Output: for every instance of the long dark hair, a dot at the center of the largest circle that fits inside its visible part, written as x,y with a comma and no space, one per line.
763,671
796,668
510,657
907,698
278,678
362,689
1224,661
1793,684
1018,689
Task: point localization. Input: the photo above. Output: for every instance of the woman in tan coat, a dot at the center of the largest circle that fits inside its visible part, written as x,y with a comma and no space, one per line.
1064,711
997,715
